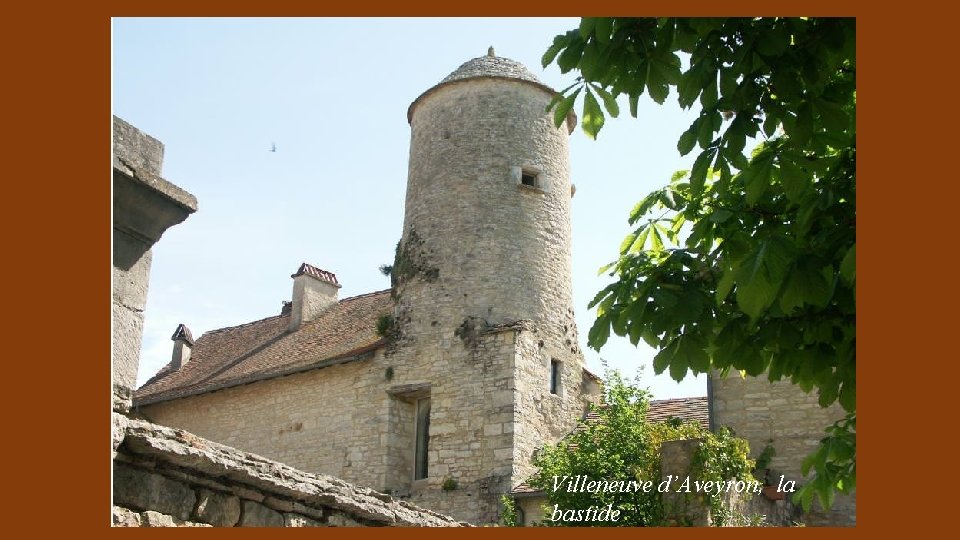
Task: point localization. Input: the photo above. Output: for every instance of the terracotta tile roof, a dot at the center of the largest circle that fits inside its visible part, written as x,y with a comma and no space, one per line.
661,410
265,349
691,408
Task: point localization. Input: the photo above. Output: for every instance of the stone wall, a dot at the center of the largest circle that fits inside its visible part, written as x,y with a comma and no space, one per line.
541,417
144,206
787,418
167,477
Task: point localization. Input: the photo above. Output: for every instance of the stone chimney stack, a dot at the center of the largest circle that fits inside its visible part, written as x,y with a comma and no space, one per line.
314,290
182,345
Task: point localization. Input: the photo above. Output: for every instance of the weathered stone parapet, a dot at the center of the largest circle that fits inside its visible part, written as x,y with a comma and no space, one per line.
144,206
169,477
124,517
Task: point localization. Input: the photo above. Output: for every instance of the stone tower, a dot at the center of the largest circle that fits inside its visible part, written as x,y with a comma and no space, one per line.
482,281
488,198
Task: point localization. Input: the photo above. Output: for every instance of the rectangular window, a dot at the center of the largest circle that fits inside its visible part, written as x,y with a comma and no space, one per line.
422,438
528,179
554,376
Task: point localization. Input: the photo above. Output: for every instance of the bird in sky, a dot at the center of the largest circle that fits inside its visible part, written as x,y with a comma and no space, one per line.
273,147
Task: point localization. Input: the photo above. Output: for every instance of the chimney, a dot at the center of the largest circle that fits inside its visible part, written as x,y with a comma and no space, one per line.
314,290
182,345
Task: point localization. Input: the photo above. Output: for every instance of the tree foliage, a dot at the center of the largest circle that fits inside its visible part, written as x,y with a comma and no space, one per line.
747,261
622,446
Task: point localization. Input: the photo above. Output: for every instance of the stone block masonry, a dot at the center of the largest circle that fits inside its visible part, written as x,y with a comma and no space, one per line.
787,418
164,477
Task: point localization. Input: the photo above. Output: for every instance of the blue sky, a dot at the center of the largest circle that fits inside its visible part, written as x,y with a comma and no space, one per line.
332,94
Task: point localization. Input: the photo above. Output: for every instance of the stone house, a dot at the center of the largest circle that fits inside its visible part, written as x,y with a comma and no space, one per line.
440,389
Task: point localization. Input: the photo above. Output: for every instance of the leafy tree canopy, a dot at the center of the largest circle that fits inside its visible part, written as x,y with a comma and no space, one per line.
624,446
747,260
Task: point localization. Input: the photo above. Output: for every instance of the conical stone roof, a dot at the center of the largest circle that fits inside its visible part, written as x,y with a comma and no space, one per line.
491,66
488,66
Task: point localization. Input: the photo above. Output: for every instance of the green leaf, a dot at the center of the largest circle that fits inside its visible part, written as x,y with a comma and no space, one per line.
690,85
609,101
720,215
760,275
806,494
641,208
794,180
658,89
848,267
586,26
724,286
599,333
563,108
728,82
709,97
657,244
571,55
757,178
698,174
641,240
832,115
630,239
751,361
590,63
705,131
792,297
735,137
773,42
650,337
848,397
559,42
802,126
603,27
692,350
664,358
678,369
770,123
664,298
602,294
666,68
829,391
805,285
634,100
826,494
592,115
688,139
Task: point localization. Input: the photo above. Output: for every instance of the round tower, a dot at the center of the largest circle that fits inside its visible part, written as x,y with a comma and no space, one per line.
487,232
